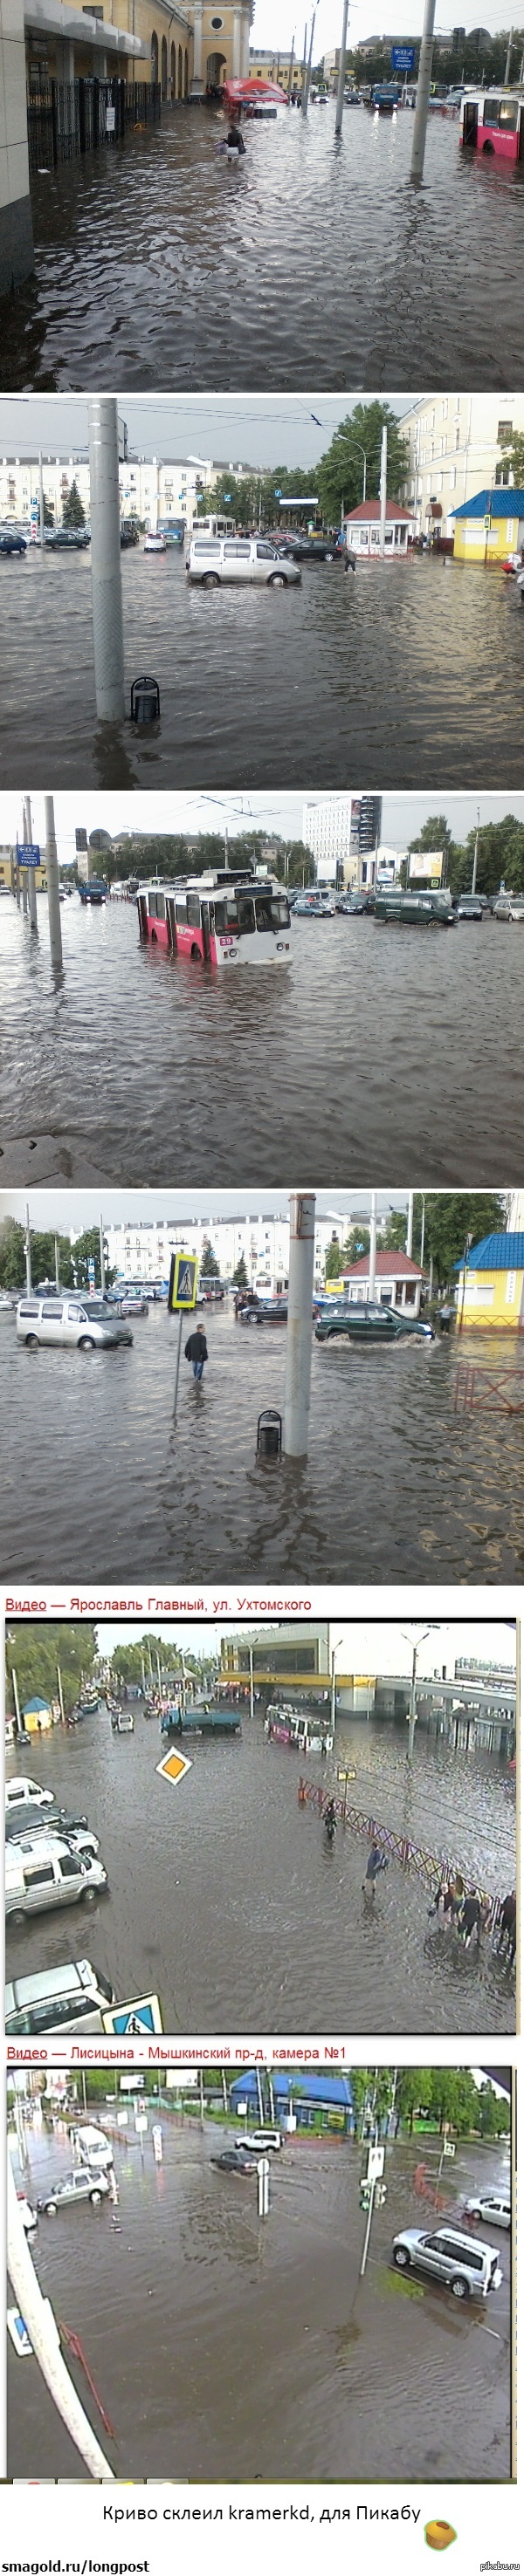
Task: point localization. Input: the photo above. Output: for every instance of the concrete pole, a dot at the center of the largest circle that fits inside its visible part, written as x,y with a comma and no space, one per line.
475,858
251,1690
57,1263
422,1233
106,567
412,1708
299,1322
43,2334
60,1694
409,1235
177,1366
28,1274
342,75
102,1259
307,83
53,892
383,488
508,58
28,829
41,497
373,1247
16,1701
423,90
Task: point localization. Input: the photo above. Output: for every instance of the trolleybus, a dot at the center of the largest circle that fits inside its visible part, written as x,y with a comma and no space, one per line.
228,917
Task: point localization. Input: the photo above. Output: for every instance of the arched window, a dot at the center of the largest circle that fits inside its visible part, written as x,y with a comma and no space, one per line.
154,58
180,71
173,71
186,72
164,67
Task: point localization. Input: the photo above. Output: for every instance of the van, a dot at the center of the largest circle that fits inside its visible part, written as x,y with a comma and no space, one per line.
46,1872
73,1997
94,2149
71,1323
214,560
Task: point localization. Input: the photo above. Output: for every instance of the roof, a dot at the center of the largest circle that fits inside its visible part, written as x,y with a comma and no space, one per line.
371,510
506,503
325,2088
389,1265
31,1704
497,1252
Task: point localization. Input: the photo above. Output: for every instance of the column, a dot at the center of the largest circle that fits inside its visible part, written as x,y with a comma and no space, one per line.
16,230
236,43
197,82
244,41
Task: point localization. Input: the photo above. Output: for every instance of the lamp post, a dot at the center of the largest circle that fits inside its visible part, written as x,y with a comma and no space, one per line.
339,1641
412,1711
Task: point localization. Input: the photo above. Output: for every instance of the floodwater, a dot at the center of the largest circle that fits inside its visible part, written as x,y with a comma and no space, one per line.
401,671
398,1487
378,1053
225,1900
158,266
225,2348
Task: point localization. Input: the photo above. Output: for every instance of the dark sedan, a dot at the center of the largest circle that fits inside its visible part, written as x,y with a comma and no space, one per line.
61,538
235,2160
369,1323
312,549
12,544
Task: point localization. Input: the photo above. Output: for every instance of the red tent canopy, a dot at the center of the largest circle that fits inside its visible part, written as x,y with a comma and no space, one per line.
244,93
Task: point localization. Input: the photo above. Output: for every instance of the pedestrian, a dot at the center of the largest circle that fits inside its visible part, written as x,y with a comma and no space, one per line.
349,560
234,139
196,1350
376,1862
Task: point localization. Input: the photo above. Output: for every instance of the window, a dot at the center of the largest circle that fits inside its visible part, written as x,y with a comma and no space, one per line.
504,430
231,549
267,553
42,1877
220,916
457,435
69,1868
502,475
28,1310
205,546
161,907
491,111
193,911
410,1292
452,478
181,915
246,914
509,114
52,1309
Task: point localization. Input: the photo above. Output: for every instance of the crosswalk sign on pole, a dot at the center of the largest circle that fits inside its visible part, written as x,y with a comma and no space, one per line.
134,2021
182,1283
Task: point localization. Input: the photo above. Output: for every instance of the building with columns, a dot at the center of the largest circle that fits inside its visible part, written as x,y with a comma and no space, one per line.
187,50
220,43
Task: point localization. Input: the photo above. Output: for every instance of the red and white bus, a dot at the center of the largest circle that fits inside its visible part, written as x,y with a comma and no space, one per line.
228,917
493,121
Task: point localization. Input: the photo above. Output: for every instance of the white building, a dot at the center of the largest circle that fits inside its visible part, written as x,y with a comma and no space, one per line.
458,446
326,830
143,1250
151,488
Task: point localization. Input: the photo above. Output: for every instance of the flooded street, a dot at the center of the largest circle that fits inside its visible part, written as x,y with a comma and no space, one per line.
225,2349
225,1899
339,680
365,1061
145,262
397,1487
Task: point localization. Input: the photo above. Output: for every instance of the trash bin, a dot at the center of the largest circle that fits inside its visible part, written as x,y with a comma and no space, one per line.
145,702
269,1433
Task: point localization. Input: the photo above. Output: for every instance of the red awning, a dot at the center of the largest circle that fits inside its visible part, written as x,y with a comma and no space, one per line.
243,93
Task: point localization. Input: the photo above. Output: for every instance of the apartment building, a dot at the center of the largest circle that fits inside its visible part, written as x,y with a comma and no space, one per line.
458,444
151,488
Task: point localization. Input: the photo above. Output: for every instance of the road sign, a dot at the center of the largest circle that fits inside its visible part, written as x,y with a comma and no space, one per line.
18,2332
141,2123
487,519
134,2021
28,854
375,2164
173,1766
402,58
181,1295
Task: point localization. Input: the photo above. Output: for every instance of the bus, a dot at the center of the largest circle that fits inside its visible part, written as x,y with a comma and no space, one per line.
216,526
493,121
228,917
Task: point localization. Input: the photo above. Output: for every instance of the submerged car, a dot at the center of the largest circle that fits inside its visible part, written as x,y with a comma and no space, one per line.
60,538
369,1323
154,543
69,1323
470,908
21,1792
214,560
11,544
235,2160
81,2184
465,2265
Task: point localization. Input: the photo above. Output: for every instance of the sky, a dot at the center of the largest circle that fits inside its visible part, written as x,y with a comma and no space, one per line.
250,429
402,815
81,1208
360,1646
276,20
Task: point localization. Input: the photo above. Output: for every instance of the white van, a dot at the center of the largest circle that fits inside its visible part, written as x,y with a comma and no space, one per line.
214,560
94,2149
70,1323
73,1997
47,1873
22,1792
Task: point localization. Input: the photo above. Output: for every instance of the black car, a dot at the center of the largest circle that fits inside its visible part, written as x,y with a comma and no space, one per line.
235,2160
33,1819
128,533
315,549
12,544
60,538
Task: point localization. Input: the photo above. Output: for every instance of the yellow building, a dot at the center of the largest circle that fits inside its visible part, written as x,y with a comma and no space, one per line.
9,872
188,51
491,1284
267,64
490,527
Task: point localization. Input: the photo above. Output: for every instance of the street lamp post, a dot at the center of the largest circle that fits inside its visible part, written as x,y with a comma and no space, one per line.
412,1711
339,1641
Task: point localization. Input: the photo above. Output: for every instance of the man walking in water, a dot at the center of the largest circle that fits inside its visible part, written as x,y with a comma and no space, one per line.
196,1351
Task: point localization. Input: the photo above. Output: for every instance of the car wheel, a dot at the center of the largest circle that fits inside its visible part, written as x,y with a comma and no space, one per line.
401,2258
95,2199
32,1342
50,2209
87,1343
89,1895
459,2288
277,581
329,558
211,581
18,1917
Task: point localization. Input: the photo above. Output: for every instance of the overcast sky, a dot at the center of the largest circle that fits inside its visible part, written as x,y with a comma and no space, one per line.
360,1646
65,1208
254,429
277,20
402,815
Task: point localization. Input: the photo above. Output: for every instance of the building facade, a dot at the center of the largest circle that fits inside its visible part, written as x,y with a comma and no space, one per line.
398,1282
151,489
187,51
12,876
491,1284
457,443
362,530
490,527
143,1250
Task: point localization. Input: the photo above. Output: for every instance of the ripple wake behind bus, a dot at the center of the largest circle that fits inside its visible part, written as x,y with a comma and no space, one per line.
229,917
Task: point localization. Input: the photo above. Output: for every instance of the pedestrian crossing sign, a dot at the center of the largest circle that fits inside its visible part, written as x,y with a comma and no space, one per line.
182,1289
134,2021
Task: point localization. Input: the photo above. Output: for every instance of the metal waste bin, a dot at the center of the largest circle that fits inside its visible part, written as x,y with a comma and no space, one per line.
145,702
269,1433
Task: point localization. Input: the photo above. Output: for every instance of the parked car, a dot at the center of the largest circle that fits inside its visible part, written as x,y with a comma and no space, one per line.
21,1790
44,1872
72,1997
502,908
129,1305
369,1323
464,2265
12,544
154,543
69,1324
80,2185
128,533
214,560
469,908
260,2142
495,2206
59,539
235,2160
310,549
41,1820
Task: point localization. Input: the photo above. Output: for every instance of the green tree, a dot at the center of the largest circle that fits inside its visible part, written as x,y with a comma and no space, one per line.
394,1238
340,473
209,1266
333,1260
514,456
358,1243
414,2093
451,1218
240,1277
35,1652
86,1249
73,515
49,516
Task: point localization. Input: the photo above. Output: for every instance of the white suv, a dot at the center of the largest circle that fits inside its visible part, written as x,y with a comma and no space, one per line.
213,560
464,2264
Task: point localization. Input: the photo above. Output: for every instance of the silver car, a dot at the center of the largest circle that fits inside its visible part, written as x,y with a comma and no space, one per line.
495,2206
213,560
69,1323
80,2185
464,2264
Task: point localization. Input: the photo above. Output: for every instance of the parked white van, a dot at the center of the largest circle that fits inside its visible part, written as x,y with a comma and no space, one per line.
47,1873
72,1997
72,1323
214,560
22,1792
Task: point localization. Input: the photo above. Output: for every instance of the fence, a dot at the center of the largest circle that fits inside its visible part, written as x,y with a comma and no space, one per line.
411,1856
496,1393
65,119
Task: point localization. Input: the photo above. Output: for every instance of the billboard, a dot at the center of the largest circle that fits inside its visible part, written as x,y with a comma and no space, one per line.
427,863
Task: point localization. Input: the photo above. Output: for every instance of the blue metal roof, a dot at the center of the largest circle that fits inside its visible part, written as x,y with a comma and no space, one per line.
506,503
327,2088
497,1252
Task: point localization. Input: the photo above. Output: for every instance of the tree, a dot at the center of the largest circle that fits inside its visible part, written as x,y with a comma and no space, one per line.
333,1260
34,1653
436,835
209,1266
514,456
86,1249
414,2092
240,1277
339,476
449,1221
394,1239
358,1243
49,516
73,515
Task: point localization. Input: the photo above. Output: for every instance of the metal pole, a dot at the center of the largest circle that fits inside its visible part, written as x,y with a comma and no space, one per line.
304,66
475,857
299,1322
368,2231
341,76
16,1701
508,58
383,488
290,75
373,1247
28,1276
106,566
53,891
60,1694
251,1691
41,499
43,2335
333,1690
423,90
30,871
307,83
102,1260
422,1233
177,1366
409,1234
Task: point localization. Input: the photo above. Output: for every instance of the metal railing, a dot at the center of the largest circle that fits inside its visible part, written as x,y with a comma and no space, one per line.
66,119
431,1868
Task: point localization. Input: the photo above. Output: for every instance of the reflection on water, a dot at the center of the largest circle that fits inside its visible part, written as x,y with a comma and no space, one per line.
227,2350
225,1899
357,1056
314,685
146,260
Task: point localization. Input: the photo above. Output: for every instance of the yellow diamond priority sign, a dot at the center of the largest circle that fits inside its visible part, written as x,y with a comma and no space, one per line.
173,1766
